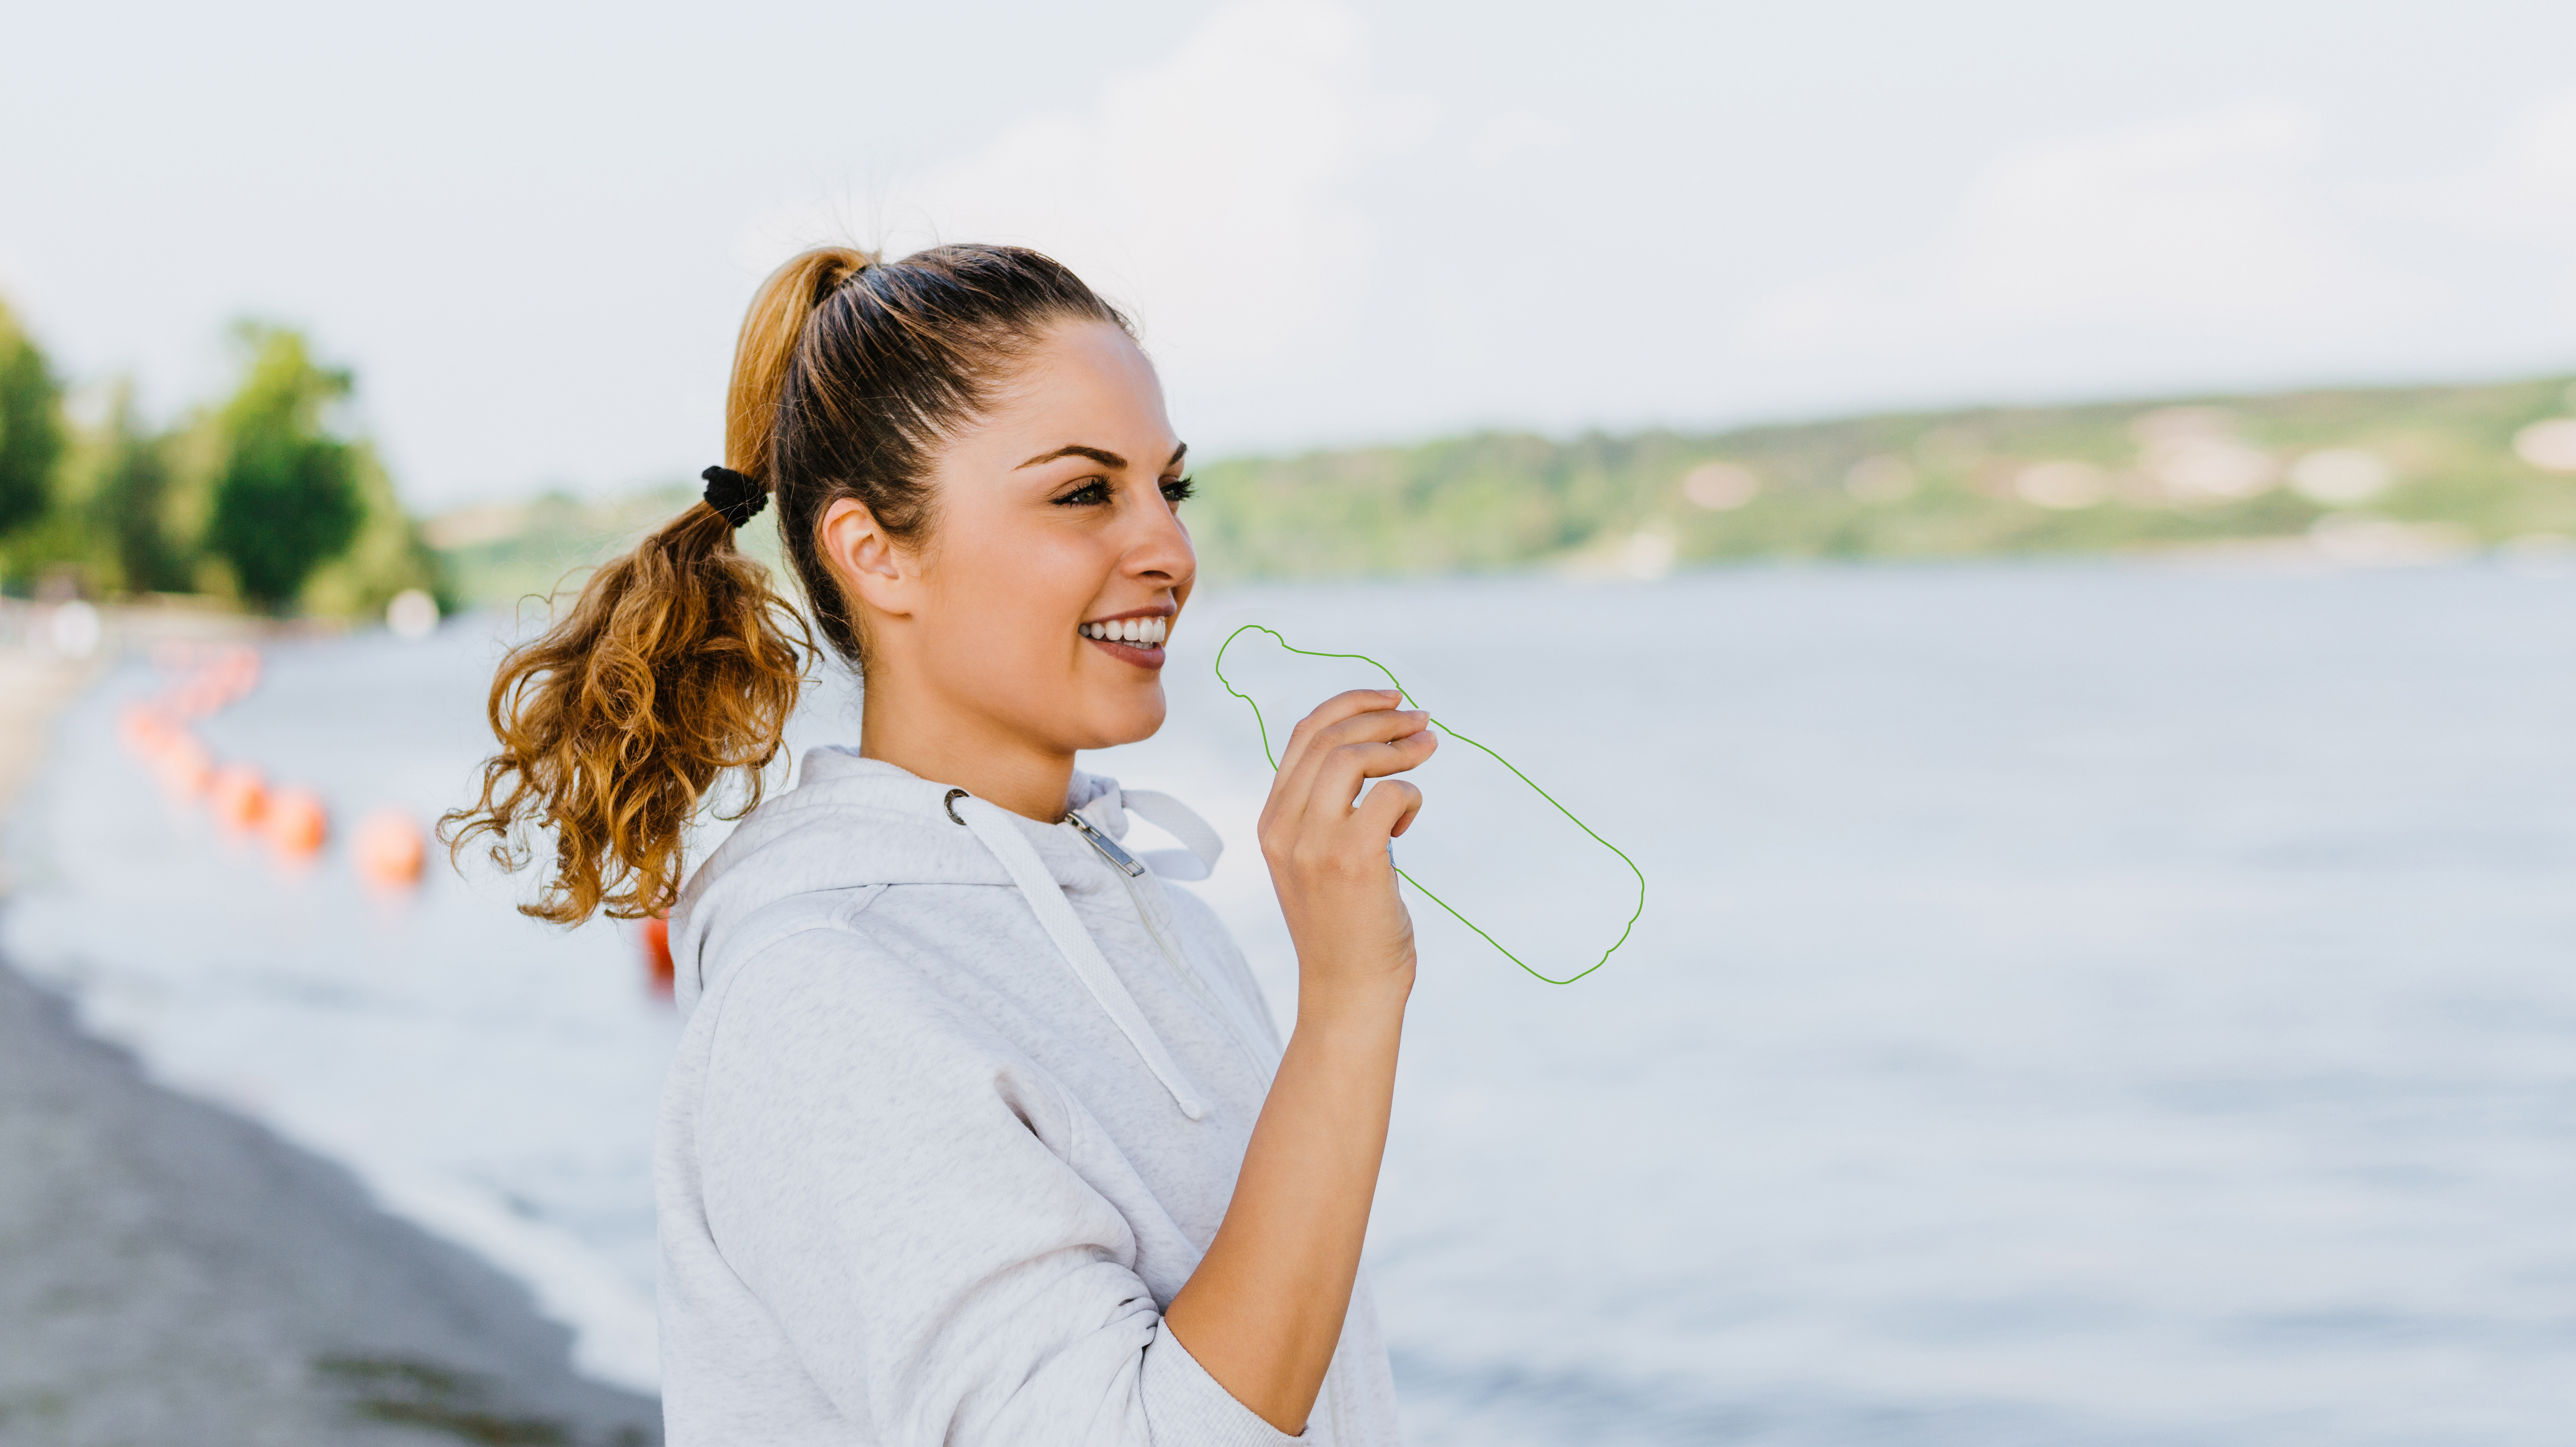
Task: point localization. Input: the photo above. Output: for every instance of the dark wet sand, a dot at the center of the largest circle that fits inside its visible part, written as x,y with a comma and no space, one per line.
170,1273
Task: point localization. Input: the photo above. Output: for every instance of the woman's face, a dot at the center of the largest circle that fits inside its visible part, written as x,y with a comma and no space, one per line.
1053,533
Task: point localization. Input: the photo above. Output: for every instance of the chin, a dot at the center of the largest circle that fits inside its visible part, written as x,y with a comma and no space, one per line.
1129,722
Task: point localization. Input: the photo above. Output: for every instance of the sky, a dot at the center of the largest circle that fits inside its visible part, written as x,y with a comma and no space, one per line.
531,229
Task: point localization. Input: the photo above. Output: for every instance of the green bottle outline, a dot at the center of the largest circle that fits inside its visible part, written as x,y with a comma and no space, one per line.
1264,725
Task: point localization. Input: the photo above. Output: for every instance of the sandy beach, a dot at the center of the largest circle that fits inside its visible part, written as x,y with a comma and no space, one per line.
171,1273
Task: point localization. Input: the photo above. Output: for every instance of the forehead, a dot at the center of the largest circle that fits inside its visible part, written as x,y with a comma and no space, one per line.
1086,380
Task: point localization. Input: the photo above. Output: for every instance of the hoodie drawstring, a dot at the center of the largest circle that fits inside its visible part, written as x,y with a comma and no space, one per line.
1019,859
1201,846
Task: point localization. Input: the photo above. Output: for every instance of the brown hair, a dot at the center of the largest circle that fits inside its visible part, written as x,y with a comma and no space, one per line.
680,663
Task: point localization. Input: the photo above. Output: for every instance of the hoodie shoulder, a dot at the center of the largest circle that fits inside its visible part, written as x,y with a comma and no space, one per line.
849,824
816,990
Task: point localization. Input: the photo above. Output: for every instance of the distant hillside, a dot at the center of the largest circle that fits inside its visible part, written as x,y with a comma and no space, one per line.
2360,475
497,554
2370,475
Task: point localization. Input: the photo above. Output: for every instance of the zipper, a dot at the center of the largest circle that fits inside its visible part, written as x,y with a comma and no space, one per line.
1119,859
1130,870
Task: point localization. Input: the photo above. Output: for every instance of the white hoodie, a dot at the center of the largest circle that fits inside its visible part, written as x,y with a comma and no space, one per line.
959,1106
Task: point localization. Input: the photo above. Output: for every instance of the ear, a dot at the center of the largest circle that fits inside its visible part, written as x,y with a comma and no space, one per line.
866,562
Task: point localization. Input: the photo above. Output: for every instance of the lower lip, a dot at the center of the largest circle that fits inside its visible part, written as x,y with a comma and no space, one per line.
1127,652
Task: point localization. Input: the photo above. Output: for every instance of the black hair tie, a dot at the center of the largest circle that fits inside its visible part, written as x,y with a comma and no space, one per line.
738,497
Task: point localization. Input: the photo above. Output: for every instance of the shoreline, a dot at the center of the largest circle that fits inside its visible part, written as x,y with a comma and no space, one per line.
33,690
171,1272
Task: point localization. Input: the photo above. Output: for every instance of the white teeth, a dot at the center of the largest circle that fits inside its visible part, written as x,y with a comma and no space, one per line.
1148,632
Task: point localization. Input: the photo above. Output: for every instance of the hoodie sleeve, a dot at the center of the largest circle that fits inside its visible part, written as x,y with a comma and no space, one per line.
876,1169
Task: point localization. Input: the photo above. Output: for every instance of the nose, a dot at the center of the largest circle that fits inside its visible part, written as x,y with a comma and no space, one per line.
1159,551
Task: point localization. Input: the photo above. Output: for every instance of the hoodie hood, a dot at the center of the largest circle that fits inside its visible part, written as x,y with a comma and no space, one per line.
852,822
856,824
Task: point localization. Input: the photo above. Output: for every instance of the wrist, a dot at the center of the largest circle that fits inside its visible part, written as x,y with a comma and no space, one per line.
1353,1007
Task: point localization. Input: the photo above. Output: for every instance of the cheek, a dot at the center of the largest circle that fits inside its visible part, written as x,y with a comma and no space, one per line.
1014,594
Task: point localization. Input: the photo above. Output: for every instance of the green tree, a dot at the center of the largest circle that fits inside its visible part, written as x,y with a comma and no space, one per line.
31,427
288,499
129,502
388,556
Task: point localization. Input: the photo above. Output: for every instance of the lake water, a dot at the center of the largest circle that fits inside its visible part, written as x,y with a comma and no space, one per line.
2073,1004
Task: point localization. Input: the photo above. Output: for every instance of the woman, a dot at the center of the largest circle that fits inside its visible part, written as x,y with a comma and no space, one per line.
978,1133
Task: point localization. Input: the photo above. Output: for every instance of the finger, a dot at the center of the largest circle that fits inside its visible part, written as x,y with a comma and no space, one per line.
1339,774
1314,787
1377,726
1294,786
1390,808
1332,711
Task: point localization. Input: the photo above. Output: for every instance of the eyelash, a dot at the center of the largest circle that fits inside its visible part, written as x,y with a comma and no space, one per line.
1096,491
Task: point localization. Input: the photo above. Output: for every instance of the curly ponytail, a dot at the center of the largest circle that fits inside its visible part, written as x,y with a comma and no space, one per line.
681,663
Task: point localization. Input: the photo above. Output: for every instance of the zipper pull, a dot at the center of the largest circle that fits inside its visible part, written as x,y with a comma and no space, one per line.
1119,859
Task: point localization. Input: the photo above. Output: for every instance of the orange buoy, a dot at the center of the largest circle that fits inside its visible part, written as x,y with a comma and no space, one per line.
388,848
138,728
186,769
237,675
296,823
239,795
656,937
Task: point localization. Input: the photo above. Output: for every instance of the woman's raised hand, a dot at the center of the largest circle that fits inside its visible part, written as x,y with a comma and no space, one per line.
1264,1310
1328,859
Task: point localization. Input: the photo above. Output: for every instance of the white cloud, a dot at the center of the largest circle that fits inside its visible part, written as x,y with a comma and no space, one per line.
2525,189
2201,226
1514,135
2520,195
1210,194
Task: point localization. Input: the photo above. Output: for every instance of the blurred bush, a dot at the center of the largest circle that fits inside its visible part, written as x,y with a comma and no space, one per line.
262,500
286,500
31,429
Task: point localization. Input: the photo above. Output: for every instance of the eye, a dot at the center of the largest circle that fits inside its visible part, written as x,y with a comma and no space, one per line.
1093,492
1177,490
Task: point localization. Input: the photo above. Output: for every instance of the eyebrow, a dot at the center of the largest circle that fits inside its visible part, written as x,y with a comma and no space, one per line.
1100,455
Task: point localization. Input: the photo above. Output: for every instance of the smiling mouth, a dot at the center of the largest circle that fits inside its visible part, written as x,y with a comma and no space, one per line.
1140,633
